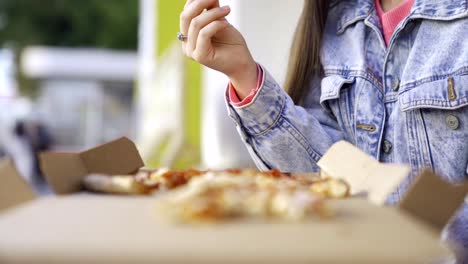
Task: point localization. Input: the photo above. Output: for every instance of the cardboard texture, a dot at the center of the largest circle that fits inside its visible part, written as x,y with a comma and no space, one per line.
14,190
430,199
362,172
108,229
433,200
112,229
64,171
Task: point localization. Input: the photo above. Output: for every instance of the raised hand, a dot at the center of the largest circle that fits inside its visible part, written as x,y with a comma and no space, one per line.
212,41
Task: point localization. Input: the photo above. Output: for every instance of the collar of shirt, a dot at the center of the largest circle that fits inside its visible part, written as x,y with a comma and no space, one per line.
351,12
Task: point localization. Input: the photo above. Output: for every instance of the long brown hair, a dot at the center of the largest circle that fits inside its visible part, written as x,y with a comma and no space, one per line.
304,62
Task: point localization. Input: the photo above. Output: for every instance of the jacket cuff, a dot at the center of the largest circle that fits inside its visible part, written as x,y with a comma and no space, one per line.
262,113
234,99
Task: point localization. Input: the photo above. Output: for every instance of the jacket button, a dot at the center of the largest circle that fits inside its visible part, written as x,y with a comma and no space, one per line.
396,85
452,122
387,147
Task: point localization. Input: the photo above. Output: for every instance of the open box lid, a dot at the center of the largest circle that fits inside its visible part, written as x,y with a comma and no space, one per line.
363,173
14,189
429,198
65,171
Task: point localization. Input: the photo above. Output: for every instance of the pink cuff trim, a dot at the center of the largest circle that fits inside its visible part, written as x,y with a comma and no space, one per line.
234,98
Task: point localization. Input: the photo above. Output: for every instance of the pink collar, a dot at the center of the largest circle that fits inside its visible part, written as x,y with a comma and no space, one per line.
392,18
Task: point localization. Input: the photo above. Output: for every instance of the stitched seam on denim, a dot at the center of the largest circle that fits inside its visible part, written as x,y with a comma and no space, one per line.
428,145
244,132
344,25
446,18
346,74
381,130
378,30
412,148
294,132
391,97
233,115
420,12
335,93
421,141
343,108
436,100
374,75
347,117
278,117
347,21
409,86
460,102
253,147
412,107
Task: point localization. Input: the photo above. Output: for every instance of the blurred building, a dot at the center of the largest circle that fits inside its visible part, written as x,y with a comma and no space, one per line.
8,86
74,86
85,95
13,109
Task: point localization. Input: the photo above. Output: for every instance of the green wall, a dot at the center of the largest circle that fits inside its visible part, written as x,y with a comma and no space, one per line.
168,13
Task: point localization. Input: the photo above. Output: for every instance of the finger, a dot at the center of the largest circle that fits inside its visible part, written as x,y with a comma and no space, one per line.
182,25
190,1
201,21
187,3
193,9
204,41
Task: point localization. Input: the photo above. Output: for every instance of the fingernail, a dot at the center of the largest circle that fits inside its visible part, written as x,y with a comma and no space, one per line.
226,8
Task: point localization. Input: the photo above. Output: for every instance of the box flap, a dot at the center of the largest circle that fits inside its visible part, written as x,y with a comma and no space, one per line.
433,200
14,190
64,171
429,198
362,172
117,157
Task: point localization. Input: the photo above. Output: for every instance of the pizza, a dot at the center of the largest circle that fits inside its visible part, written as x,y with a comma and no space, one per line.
220,196
117,184
196,196
161,180
143,183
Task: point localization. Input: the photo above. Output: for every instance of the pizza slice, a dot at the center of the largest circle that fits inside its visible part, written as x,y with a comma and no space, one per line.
119,184
162,180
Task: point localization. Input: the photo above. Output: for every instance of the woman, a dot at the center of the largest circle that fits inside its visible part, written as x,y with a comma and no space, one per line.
391,77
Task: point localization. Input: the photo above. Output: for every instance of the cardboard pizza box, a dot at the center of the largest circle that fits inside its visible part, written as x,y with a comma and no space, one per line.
64,171
429,198
14,190
76,227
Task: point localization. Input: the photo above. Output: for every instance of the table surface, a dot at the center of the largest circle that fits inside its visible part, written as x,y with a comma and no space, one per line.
111,229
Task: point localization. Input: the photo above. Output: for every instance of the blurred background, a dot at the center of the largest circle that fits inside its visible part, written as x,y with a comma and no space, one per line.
78,73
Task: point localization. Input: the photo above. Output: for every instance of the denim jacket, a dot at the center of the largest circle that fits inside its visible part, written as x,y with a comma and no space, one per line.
402,103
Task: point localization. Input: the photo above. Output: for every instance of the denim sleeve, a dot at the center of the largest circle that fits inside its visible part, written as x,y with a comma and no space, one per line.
280,135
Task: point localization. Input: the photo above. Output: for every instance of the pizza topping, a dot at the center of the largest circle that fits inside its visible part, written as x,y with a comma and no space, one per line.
220,196
331,188
267,192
